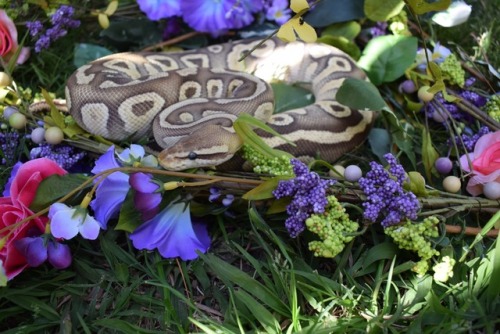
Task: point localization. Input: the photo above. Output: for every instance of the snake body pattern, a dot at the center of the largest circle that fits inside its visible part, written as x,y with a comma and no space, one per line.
189,100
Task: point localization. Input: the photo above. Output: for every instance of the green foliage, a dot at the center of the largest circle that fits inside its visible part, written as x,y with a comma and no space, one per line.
386,58
85,53
288,97
360,94
279,165
382,10
492,107
329,12
453,71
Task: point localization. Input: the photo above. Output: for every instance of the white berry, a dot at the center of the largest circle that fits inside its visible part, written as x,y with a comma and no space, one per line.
492,190
452,184
352,173
17,120
424,95
54,135
38,135
5,79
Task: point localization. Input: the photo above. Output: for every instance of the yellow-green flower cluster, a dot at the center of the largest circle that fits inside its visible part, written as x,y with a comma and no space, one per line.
453,71
492,107
415,237
264,165
332,227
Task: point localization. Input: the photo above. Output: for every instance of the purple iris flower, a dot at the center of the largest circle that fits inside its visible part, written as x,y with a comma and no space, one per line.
173,233
147,197
160,9
36,252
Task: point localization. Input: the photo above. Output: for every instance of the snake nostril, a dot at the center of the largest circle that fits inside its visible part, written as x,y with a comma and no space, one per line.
192,156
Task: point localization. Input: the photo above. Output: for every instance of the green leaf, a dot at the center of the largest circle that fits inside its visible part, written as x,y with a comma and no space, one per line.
417,184
380,142
385,58
261,314
429,153
360,94
343,44
328,12
129,218
85,53
349,30
138,32
421,6
263,190
382,10
288,97
54,187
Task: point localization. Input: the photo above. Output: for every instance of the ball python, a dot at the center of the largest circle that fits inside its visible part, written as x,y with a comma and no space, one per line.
189,100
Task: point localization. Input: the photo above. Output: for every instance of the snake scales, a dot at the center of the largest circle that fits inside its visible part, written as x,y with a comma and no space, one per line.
189,100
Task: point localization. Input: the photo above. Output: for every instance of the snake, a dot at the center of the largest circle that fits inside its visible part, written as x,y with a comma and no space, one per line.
188,101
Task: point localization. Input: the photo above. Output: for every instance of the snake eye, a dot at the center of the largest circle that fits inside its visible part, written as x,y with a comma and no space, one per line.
192,156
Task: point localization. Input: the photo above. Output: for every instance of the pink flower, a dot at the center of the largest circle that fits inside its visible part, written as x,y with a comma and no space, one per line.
8,40
485,162
14,207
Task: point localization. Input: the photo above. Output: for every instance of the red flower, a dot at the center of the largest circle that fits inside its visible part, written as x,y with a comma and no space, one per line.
15,207
8,39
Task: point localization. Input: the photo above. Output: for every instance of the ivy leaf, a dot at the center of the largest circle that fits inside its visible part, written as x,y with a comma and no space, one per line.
342,43
360,94
129,218
288,97
380,142
386,58
54,187
84,53
325,13
421,6
349,30
382,10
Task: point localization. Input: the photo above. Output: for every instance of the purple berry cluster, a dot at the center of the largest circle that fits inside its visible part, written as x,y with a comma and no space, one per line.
472,97
9,143
385,195
64,155
61,21
308,192
467,142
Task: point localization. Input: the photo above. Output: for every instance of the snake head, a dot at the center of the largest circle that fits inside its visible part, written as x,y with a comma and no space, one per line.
211,146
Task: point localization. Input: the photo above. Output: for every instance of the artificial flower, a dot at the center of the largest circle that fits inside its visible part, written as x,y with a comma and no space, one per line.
37,251
8,40
485,161
160,9
147,197
457,13
278,11
24,182
173,233
67,222
3,275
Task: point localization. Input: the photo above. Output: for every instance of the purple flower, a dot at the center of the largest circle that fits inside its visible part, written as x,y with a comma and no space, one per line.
385,194
172,233
112,191
309,196
215,16
278,11
214,194
36,252
13,173
9,145
64,155
66,222
379,29
147,197
35,28
160,9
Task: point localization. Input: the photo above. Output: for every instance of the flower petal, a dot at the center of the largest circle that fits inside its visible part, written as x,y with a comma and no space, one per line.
110,195
90,227
59,255
143,182
33,249
64,223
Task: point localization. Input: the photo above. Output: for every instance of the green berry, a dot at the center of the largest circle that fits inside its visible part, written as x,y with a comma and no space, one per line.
17,120
54,135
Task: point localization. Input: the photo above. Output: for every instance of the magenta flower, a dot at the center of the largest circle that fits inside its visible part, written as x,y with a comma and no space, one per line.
160,9
37,251
147,197
66,222
173,234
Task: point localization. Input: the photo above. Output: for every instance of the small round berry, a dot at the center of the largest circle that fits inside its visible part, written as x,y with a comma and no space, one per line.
443,165
5,79
54,135
492,190
407,86
17,120
424,95
337,172
8,111
439,116
38,135
452,184
352,173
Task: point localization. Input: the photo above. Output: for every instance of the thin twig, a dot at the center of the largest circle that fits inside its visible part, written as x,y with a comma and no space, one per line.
172,41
